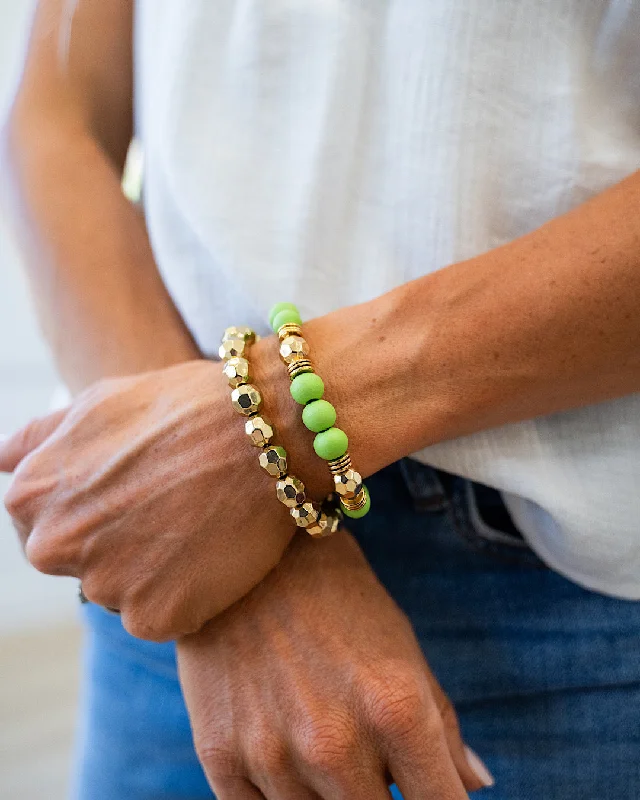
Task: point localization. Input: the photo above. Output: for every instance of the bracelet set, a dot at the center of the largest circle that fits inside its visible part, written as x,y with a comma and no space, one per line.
318,415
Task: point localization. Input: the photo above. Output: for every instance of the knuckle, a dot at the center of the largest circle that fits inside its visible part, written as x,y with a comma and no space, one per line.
140,626
268,754
95,590
18,497
42,554
396,703
215,755
327,745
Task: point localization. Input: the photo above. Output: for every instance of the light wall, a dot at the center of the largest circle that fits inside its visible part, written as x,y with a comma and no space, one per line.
27,380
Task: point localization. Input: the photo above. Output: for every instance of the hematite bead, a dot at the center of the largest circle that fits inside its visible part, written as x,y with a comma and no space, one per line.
292,348
348,484
246,399
273,460
237,371
231,348
290,491
259,430
239,332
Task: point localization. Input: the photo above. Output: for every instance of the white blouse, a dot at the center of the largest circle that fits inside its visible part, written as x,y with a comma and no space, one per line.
291,146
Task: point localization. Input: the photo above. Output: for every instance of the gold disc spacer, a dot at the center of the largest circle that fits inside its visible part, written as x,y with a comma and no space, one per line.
299,366
289,329
339,466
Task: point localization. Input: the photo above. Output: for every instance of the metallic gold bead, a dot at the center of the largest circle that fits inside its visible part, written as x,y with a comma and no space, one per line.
298,366
273,460
306,514
289,329
231,348
348,484
246,399
259,430
239,332
292,348
237,371
290,491
340,465
320,528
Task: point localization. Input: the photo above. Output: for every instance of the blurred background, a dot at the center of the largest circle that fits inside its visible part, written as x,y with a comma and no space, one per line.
39,632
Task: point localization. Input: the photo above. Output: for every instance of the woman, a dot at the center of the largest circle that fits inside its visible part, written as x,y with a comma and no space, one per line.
341,155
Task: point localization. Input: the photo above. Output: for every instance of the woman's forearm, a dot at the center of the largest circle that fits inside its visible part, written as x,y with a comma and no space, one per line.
546,323
100,299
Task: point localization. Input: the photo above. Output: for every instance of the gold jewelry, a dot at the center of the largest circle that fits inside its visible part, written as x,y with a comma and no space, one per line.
246,399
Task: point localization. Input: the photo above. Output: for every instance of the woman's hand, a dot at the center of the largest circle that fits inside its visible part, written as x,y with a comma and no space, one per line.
313,686
148,490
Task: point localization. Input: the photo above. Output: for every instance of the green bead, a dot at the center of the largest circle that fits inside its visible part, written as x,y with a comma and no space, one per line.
288,313
307,387
361,511
278,308
319,415
331,444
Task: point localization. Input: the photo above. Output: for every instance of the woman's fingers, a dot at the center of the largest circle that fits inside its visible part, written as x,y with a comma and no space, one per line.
472,771
286,787
427,772
18,446
237,789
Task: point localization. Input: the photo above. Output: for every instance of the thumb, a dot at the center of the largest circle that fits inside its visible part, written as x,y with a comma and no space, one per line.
472,771
18,446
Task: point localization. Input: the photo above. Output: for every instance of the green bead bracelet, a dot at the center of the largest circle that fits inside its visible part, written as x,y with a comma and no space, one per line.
307,389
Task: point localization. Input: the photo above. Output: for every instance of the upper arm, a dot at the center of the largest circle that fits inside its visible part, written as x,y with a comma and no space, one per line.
78,68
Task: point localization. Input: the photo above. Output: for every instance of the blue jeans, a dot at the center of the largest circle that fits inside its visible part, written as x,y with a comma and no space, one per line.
545,675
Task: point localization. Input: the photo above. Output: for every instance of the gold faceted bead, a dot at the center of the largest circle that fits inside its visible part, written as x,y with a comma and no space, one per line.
237,371
273,460
290,491
320,528
292,348
231,348
259,430
246,399
239,332
306,514
348,484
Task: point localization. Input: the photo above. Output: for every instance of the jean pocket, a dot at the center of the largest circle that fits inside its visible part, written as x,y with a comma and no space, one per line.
501,540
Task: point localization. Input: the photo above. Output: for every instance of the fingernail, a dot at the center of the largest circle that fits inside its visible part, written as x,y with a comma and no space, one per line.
478,767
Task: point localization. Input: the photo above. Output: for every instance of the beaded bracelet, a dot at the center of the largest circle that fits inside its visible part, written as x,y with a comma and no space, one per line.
318,415
317,521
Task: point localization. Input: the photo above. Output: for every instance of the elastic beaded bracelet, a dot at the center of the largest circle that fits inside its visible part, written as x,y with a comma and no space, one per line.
246,399
318,415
